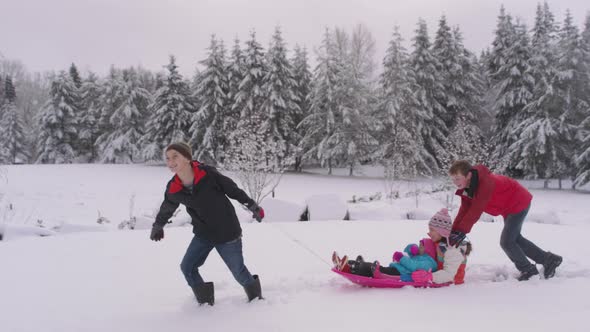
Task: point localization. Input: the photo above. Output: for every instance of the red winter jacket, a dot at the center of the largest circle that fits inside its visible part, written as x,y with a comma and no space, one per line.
495,194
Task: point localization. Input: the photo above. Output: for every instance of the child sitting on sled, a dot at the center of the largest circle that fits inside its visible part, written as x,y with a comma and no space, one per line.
450,260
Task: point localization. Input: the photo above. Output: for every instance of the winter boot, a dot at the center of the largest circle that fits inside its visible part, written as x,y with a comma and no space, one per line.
205,293
552,261
528,273
376,270
335,259
253,289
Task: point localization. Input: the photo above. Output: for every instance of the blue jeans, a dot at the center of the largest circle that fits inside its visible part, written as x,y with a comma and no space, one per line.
516,246
230,252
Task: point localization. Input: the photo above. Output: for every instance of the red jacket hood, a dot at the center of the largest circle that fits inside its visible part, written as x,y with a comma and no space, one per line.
176,184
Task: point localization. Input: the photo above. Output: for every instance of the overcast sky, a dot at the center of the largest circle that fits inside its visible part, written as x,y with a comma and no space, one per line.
51,34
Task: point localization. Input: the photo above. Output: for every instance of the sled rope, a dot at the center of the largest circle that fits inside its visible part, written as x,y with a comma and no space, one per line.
301,244
297,242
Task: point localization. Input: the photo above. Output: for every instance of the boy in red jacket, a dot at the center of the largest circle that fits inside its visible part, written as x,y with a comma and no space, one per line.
483,191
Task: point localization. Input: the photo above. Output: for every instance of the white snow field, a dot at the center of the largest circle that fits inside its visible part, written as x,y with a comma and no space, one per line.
82,276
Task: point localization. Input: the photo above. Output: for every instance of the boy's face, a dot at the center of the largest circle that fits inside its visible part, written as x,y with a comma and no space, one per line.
461,181
176,162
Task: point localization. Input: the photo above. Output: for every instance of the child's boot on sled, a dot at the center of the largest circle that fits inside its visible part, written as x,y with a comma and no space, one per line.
340,264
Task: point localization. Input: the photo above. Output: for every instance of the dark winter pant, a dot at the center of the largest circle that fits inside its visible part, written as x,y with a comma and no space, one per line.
364,269
230,252
516,246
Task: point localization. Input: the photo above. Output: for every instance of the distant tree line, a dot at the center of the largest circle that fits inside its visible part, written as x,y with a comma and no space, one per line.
522,106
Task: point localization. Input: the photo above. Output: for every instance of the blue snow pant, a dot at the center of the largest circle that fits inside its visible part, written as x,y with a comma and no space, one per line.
230,252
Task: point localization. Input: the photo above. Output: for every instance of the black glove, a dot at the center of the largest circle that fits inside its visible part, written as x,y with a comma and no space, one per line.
456,238
157,232
257,212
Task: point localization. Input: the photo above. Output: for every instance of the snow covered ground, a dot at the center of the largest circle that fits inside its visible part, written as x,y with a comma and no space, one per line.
91,277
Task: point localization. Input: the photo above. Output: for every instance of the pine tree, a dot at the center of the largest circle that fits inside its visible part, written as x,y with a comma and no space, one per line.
208,134
302,76
90,92
75,75
81,147
582,159
249,154
572,88
57,122
249,95
122,144
510,71
170,115
486,120
503,40
464,84
340,130
107,104
146,79
235,71
249,101
280,102
402,150
2,91
4,154
194,86
319,125
429,90
541,148
446,52
470,88
12,138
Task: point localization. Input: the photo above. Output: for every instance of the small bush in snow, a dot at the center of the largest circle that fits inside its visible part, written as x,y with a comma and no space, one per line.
102,220
130,224
368,198
256,163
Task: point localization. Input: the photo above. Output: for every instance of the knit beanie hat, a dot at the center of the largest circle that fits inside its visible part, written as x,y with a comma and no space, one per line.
441,222
182,148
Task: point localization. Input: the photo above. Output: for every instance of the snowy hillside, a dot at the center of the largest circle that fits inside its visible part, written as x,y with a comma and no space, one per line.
91,277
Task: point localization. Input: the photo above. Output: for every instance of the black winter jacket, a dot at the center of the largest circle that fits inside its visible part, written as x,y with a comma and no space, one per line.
213,216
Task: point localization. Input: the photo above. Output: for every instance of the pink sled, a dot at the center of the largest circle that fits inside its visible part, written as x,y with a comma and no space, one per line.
388,282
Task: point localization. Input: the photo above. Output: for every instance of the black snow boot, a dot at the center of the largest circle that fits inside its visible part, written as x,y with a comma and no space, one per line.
253,289
364,269
552,261
528,273
205,293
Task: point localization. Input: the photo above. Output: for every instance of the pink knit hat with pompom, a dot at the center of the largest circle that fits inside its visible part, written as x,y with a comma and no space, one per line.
442,223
